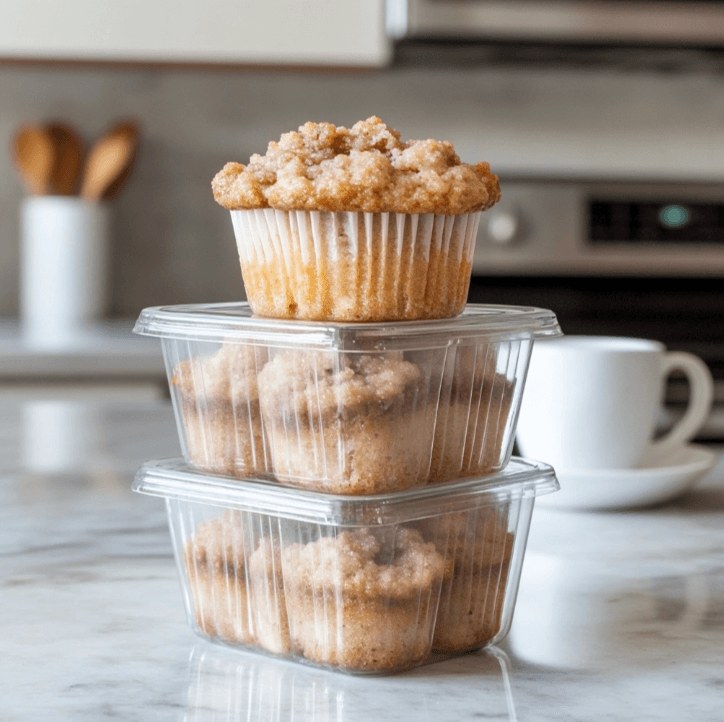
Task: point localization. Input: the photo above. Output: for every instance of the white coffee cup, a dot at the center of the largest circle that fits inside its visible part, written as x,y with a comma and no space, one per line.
592,402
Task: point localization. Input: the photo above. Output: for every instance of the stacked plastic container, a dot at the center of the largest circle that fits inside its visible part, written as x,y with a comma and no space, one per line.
346,496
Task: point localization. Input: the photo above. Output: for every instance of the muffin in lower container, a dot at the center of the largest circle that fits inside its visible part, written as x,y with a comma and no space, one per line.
216,560
233,566
477,546
360,584
362,604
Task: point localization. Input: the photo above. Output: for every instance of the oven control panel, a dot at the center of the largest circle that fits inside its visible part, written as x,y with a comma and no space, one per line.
553,227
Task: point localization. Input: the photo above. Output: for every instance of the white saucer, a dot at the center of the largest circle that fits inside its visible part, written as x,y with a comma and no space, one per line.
657,480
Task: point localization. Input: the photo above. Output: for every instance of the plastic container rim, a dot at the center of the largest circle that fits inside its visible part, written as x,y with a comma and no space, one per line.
235,321
174,479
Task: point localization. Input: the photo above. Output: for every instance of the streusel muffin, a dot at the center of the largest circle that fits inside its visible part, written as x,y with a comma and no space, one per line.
477,549
473,416
349,608
216,564
347,423
219,402
353,224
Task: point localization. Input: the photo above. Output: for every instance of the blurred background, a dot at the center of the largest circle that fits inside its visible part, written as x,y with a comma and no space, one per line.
604,120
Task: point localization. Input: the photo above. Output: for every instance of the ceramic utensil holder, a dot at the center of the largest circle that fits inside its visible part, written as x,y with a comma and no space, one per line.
64,268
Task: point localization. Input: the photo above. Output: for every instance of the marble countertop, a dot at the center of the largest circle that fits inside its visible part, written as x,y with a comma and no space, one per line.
620,616
105,349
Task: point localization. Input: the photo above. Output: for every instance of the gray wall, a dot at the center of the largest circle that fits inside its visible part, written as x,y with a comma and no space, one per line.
173,244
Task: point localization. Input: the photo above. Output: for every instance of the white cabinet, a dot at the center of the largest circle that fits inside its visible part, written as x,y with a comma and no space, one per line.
272,32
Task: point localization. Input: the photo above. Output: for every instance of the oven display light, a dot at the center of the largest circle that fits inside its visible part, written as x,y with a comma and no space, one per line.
674,216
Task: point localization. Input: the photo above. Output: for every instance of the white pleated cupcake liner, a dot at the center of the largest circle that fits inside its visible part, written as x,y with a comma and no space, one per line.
351,266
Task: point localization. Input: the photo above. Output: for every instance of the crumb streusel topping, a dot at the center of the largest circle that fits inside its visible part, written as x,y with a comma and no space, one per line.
364,168
229,374
347,565
219,544
306,384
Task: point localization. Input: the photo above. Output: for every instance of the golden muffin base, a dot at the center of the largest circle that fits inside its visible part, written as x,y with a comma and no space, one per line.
363,602
468,441
367,455
371,635
225,439
470,611
219,591
221,607
473,415
362,267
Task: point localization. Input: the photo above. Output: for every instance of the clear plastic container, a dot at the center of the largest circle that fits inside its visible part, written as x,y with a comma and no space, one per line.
346,408
365,585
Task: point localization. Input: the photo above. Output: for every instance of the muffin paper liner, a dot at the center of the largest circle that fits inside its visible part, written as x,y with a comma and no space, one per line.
349,266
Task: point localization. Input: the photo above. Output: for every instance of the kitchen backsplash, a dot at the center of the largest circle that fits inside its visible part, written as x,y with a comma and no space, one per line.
173,244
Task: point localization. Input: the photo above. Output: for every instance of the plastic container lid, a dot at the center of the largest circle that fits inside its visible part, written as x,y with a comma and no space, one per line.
173,479
235,321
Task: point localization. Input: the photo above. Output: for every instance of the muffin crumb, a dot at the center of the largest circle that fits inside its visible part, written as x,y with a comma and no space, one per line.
365,168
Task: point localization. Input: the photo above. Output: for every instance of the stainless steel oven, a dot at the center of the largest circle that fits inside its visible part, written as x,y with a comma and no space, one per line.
621,258
678,22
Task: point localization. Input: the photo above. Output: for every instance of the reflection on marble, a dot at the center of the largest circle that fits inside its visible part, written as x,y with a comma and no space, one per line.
60,435
619,617
627,609
571,616
230,686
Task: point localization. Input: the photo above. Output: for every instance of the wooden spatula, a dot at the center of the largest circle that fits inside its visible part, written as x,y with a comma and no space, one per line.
34,157
69,152
109,160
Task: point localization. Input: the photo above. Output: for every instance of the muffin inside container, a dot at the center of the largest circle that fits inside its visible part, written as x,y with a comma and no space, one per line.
364,585
346,408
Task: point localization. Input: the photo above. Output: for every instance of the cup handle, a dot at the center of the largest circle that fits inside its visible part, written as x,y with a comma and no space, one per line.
701,396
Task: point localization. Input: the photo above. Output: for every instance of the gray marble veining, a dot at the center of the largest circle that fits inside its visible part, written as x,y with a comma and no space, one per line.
619,617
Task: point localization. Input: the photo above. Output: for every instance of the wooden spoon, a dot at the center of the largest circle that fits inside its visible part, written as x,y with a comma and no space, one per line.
34,156
109,161
115,188
69,152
